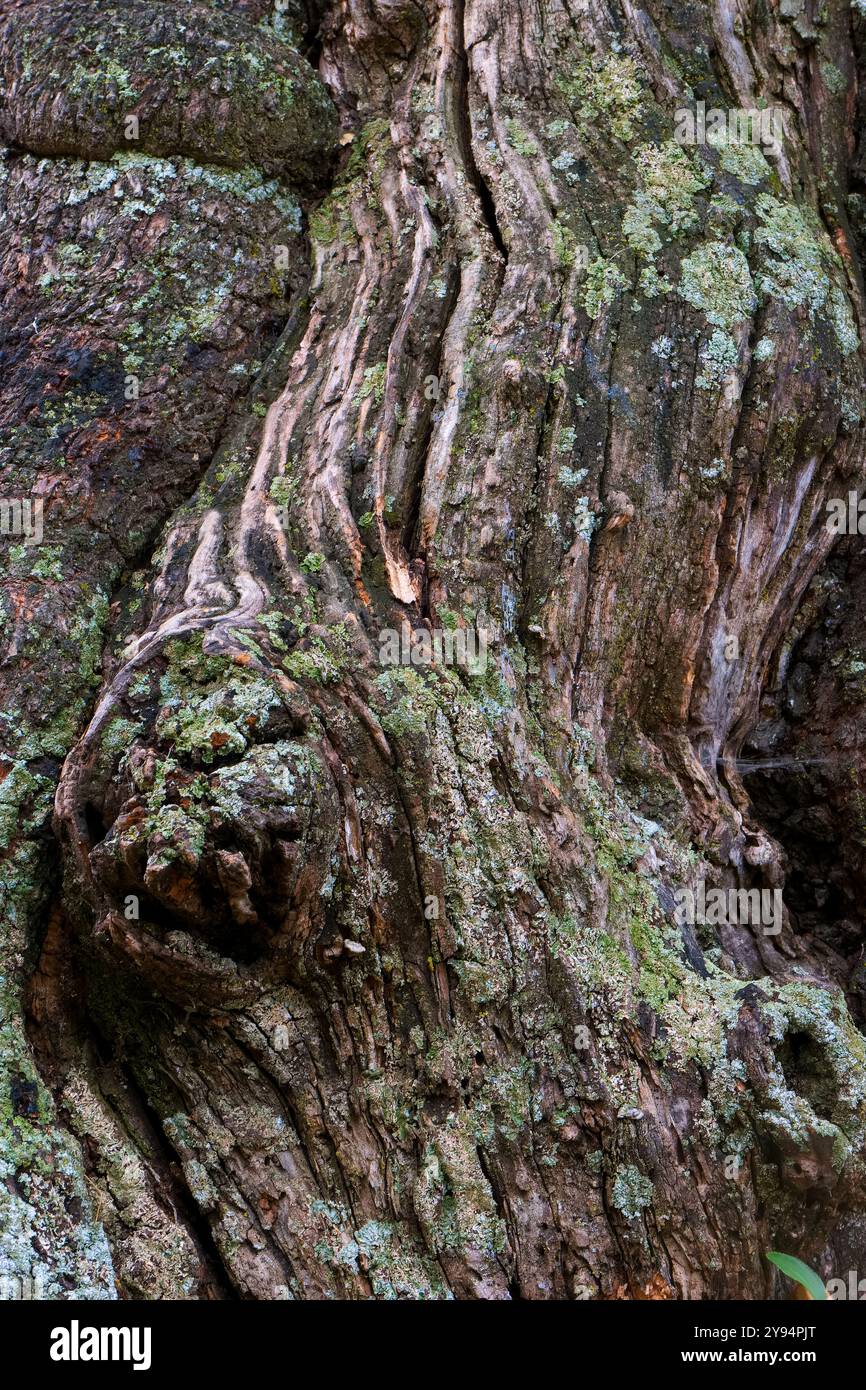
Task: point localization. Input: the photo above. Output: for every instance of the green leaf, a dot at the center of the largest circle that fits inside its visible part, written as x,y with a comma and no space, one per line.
802,1274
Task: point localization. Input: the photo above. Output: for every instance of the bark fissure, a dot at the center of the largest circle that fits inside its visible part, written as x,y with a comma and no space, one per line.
389,951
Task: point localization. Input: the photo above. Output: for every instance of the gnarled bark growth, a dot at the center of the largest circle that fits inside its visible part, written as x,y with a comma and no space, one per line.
348,980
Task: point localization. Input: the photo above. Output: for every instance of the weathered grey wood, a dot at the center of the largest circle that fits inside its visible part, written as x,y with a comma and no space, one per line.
352,980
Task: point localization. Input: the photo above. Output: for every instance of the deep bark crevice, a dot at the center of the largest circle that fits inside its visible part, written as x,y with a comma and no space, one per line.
388,956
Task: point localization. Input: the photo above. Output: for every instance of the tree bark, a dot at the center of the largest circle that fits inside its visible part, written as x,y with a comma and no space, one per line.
331,978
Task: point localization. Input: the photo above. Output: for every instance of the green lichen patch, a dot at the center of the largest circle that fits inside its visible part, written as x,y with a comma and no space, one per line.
373,384
716,279
323,654
632,1192
717,357
800,267
608,95
746,162
664,207
211,709
519,140
392,1261
409,702
25,800
602,282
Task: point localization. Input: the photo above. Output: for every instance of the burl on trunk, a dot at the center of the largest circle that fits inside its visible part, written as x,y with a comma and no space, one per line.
426,660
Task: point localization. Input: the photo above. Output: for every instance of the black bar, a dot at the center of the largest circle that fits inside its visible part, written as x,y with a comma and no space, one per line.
294,1341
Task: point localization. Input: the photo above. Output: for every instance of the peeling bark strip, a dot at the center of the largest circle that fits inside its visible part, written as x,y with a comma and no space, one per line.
332,976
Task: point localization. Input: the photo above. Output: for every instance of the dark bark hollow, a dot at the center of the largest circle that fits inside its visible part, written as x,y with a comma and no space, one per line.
357,979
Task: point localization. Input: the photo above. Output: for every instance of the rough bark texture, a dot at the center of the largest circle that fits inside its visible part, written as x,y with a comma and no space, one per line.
328,979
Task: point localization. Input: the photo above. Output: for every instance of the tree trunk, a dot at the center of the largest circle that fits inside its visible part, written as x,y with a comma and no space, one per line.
340,962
